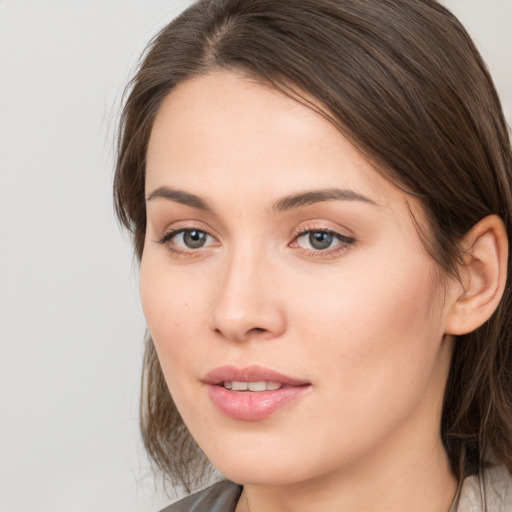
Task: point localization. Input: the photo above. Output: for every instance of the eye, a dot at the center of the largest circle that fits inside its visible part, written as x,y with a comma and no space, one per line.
319,240
186,239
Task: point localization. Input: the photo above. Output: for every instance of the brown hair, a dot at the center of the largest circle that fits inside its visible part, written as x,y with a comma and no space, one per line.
403,81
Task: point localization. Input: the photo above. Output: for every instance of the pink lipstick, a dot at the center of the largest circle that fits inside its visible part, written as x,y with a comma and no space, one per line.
251,393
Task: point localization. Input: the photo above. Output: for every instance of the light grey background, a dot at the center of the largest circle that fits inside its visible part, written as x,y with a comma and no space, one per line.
71,326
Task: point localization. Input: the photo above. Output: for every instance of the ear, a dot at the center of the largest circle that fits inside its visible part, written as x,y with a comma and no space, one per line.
483,276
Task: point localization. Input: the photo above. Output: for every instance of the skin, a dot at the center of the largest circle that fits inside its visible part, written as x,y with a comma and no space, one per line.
363,321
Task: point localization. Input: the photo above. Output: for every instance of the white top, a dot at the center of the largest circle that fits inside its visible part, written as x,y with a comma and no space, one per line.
488,492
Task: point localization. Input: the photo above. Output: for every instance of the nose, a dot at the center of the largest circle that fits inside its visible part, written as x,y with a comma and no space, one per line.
247,303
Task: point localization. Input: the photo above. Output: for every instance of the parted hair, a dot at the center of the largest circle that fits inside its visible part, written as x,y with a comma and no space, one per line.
402,80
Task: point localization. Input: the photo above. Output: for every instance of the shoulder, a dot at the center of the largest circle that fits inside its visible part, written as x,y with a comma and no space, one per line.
220,497
491,491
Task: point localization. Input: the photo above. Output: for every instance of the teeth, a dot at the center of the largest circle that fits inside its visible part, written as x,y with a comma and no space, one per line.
257,386
239,386
252,386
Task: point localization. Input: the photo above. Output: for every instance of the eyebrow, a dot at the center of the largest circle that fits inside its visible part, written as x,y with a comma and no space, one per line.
286,203
318,196
179,196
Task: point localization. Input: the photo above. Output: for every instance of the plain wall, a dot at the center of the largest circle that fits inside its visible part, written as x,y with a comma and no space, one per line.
71,325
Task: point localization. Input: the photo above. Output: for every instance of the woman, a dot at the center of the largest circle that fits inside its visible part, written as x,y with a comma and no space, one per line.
319,194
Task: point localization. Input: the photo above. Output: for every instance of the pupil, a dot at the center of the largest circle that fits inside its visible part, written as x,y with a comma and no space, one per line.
194,238
320,240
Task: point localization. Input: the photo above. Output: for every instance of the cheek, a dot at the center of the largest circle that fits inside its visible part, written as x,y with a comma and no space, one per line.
367,299
379,330
175,308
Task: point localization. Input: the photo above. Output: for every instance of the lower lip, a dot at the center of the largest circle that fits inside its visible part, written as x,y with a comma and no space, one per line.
255,405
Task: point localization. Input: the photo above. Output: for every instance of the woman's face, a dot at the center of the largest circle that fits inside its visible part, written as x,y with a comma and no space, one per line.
297,317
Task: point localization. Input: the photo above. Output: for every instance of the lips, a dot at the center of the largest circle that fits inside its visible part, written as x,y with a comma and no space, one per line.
252,393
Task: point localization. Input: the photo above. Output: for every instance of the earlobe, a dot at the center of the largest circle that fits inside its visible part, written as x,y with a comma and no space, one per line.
483,276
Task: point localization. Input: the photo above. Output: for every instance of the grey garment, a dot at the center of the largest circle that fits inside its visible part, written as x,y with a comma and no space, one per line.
491,492
220,497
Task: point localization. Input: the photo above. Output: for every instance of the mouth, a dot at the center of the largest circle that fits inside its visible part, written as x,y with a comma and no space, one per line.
243,379
252,393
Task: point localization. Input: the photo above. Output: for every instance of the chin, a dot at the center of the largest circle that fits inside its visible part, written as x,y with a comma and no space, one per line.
263,467
264,475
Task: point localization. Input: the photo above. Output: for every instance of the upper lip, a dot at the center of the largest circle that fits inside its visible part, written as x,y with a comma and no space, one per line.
251,373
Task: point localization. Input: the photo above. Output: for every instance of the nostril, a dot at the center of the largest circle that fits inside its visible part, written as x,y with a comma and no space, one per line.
256,330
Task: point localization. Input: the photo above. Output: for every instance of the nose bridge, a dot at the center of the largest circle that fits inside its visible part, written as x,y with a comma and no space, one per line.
246,303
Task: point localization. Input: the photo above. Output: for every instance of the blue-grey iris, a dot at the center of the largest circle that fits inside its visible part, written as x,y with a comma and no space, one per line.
194,239
320,239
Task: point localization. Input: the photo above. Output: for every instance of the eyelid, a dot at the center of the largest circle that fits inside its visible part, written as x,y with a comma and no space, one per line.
324,226
172,233
171,228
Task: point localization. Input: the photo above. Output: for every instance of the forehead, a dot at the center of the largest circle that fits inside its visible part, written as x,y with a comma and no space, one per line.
223,133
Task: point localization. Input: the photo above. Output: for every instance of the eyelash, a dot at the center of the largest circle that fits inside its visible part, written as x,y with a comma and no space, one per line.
345,241
167,237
